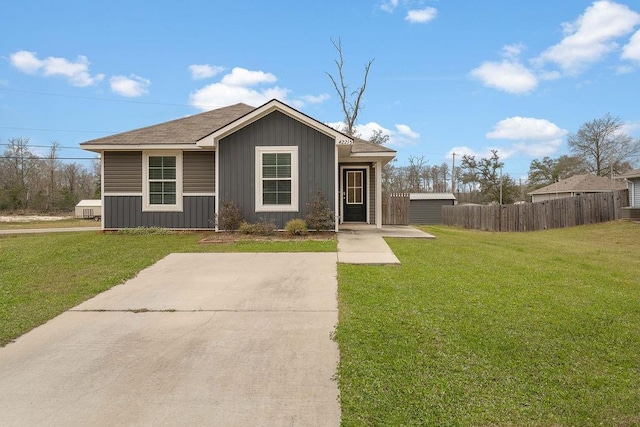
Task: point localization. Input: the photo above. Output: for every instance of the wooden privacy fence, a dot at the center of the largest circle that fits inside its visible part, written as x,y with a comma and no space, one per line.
558,213
395,208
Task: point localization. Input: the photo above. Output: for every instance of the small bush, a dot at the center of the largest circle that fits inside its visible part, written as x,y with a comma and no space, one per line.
145,231
230,217
261,228
297,227
319,215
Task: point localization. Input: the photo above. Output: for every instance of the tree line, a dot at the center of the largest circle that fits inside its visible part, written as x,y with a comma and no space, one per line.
600,147
29,182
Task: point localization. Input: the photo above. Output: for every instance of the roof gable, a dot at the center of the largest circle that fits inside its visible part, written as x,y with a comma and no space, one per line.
211,139
581,183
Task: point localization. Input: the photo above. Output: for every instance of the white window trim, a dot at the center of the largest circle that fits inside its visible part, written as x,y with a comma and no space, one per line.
146,206
293,207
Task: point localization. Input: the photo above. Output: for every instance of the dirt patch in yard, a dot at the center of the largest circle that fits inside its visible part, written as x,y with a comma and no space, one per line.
223,237
31,218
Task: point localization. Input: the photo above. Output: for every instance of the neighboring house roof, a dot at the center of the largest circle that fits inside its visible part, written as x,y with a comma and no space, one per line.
582,183
432,196
186,130
633,174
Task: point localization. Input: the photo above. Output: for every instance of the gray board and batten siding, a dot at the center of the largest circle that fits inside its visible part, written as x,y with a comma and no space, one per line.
126,212
123,174
316,164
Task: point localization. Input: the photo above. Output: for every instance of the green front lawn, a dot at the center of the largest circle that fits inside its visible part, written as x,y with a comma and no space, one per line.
479,328
43,275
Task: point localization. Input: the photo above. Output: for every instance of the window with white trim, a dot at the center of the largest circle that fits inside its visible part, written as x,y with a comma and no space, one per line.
162,182
277,179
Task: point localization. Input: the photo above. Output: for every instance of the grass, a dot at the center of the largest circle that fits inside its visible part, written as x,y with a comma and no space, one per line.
477,328
61,223
43,275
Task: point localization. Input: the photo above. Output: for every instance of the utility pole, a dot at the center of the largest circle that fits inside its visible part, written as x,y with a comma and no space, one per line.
500,184
453,173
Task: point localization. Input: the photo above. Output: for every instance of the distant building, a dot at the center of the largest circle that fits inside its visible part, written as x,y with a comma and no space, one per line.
576,186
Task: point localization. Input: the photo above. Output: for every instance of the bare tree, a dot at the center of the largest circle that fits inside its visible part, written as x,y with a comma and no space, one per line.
350,100
379,138
52,166
603,147
415,172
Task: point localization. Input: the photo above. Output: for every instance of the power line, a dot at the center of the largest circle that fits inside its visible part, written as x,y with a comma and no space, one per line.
45,146
46,158
57,130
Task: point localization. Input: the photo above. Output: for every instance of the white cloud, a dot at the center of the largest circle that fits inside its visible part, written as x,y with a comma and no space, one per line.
624,69
403,135
630,128
27,62
421,16
315,99
204,71
512,51
632,49
76,73
243,77
131,87
250,87
534,137
591,36
508,76
525,128
405,130
389,6
463,150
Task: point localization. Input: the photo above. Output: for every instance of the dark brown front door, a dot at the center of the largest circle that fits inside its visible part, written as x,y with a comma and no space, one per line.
354,195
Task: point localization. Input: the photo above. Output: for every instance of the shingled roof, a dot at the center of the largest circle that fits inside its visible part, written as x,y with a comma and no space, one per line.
362,146
186,130
191,129
583,184
631,174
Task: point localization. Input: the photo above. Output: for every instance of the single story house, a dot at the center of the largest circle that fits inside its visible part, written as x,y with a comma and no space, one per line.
576,186
426,208
633,184
268,160
89,208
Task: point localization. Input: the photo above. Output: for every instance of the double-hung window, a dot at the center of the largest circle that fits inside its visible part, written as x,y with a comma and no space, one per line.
163,182
277,179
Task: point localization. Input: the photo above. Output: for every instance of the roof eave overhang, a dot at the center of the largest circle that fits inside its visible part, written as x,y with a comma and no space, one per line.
212,139
384,157
137,147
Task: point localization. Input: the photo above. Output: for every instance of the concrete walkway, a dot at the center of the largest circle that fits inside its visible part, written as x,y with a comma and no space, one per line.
196,339
364,244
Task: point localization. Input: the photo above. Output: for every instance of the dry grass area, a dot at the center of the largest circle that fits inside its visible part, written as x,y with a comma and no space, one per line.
31,218
15,222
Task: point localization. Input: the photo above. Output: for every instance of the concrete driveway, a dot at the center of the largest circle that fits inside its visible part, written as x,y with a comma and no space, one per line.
200,339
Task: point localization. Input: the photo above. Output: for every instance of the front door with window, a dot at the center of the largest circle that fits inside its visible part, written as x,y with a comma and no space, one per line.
354,195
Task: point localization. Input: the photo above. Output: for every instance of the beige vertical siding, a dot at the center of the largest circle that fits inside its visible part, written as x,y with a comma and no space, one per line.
122,171
199,173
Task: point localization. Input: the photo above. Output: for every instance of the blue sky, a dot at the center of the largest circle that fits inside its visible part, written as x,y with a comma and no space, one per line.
448,76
